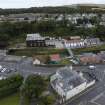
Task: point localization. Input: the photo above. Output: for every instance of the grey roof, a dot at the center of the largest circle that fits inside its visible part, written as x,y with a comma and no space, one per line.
68,79
88,54
34,37
92,40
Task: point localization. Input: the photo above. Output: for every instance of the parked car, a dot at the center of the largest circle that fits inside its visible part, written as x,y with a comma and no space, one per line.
92,67
0,67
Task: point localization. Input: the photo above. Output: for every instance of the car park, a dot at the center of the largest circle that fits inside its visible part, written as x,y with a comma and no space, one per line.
13,69
8,71
3,70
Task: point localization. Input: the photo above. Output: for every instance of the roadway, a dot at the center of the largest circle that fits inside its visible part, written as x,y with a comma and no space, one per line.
26,68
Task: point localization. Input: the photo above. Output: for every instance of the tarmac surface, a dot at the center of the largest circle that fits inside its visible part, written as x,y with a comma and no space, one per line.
92,96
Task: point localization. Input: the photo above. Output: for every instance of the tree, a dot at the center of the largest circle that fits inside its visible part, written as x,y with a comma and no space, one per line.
100,32
45,26
79,21
47,100
33,87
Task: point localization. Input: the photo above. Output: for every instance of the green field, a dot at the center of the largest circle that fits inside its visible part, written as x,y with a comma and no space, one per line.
10,100
94,49
35,51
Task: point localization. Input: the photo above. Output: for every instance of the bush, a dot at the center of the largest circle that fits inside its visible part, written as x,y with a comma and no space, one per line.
47,100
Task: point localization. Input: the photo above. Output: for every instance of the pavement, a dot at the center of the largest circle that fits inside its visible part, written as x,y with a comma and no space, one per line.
92,96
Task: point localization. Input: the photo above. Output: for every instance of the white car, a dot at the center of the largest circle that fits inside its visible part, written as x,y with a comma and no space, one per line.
0,67
92,67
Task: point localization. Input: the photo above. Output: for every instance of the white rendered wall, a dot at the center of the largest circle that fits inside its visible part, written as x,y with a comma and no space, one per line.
75,91
90,83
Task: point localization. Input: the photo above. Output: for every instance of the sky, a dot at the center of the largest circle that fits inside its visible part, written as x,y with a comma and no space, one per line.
41,3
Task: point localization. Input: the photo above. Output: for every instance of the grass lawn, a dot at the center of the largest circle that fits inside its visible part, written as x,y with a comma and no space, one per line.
90,49
10,100
37,51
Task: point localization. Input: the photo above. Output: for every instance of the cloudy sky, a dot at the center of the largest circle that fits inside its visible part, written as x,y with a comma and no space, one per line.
38,3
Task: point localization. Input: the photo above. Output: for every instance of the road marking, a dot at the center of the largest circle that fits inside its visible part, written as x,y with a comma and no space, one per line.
97,97
96,103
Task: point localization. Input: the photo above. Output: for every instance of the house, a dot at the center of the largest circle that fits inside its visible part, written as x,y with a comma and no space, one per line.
40,59
87,58
36,62
55,58
74,42
35,40
92,41
54,43
68,83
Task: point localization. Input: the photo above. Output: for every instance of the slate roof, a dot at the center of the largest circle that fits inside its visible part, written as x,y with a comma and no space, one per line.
55,57
68,79
34,37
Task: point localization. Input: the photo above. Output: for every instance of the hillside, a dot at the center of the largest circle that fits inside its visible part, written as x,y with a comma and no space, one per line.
75,8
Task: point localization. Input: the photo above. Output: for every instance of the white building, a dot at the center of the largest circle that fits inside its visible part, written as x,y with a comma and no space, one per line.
36,62
55,43
74,43
102,23
68,83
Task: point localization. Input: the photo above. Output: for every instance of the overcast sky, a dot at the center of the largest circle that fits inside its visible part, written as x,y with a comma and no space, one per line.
38,3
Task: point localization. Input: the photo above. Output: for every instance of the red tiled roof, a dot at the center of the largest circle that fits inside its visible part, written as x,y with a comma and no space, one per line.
55,57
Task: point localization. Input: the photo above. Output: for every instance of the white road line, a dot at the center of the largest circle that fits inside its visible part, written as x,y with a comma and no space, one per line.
97,97
96,103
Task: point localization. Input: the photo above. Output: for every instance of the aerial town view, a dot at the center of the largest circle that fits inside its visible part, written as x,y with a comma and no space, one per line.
52,52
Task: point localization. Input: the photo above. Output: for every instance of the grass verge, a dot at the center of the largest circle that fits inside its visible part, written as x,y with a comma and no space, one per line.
10,100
